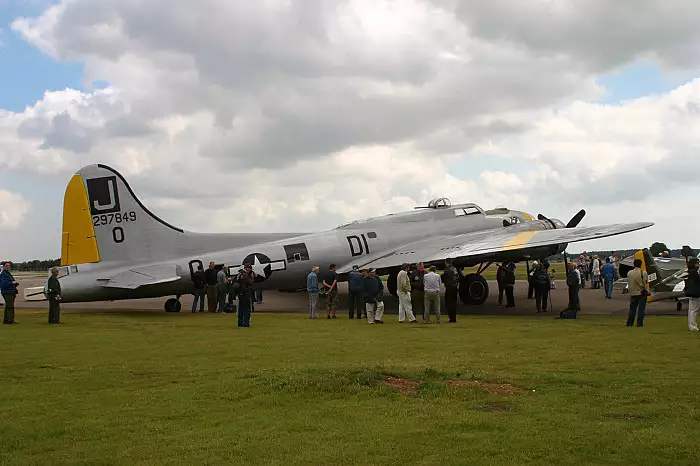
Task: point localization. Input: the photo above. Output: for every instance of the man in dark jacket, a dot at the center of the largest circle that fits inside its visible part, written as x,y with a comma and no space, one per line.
509,283
210,278
53,293
500,273
200,286
418,290
355,293
372,293
8,289
245,280
692,291
450,278
540,281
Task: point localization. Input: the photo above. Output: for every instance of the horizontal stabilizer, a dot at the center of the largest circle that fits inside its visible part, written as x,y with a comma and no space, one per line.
143,276
35,293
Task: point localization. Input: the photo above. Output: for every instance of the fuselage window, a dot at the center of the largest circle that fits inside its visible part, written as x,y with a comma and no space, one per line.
471,211
371,235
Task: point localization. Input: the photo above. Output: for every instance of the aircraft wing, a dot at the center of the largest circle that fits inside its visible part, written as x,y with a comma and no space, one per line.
487,245
143,276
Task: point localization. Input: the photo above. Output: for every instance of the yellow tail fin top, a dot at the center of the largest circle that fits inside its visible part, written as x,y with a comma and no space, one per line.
78,243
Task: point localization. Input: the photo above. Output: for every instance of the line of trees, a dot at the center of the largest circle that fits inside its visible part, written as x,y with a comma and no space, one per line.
35,265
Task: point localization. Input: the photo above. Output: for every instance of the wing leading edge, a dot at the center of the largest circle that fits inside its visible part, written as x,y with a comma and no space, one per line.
489,245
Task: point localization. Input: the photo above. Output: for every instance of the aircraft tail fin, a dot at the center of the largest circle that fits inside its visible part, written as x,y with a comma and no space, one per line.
103,220
649,265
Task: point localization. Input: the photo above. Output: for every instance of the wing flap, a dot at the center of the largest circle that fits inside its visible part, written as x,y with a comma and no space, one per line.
491,244
143,276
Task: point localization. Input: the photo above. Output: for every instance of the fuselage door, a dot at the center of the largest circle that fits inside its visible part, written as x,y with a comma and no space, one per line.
194,265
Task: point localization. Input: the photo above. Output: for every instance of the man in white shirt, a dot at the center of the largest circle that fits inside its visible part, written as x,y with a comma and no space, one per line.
432,281
403,285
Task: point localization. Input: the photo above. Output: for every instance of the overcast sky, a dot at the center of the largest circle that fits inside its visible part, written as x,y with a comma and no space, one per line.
299,115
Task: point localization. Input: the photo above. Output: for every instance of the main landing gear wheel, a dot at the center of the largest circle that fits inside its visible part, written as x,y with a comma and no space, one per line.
392,283
473,289
679,306
173,305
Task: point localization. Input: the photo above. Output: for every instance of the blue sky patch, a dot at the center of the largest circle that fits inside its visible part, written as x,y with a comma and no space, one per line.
639,80
26,72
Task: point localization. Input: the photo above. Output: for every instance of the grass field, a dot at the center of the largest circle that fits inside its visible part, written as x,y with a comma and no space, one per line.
151,388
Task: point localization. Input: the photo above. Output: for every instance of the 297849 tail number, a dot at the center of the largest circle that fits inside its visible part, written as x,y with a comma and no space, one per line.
109,219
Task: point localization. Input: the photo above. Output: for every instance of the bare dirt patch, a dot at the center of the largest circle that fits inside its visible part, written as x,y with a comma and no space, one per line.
624,417
493,388
495,408
404,386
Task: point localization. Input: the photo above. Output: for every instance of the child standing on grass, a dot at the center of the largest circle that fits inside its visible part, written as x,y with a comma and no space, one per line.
552,276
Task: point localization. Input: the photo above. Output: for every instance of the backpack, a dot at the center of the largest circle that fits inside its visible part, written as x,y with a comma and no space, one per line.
229,308
567,314
542,279
572,278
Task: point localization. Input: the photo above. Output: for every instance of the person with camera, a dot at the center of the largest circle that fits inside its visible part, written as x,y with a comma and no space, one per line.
637,284
8,289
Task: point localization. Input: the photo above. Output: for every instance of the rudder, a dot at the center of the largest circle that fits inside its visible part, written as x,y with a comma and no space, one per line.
103,220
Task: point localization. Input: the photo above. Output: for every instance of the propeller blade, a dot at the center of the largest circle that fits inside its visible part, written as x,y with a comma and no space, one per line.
576,219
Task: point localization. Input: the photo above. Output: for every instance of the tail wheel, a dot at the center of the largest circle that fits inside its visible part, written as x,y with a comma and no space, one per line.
391,283
679,306
173,305
473,289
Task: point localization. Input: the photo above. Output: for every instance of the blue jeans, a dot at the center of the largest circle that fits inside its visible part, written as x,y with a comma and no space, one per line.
608,287
638,305
198,297
244,310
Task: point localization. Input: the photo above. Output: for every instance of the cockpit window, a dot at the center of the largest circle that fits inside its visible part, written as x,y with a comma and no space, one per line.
466,211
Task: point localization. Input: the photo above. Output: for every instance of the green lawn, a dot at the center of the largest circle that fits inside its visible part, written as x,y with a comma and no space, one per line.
154,388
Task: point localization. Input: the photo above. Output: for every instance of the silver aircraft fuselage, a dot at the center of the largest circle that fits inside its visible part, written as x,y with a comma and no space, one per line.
285,263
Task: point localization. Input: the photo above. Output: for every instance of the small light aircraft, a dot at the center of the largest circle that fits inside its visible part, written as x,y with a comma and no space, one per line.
114,248
666,275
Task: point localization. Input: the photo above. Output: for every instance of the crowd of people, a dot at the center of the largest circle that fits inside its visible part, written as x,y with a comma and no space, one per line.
418,290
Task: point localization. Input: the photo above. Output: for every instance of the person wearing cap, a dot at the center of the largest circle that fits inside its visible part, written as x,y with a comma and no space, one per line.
245,280
403,289
692,291
372,292
432,281
355,302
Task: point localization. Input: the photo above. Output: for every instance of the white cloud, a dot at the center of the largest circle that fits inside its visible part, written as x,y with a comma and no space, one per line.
301,115
14,210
